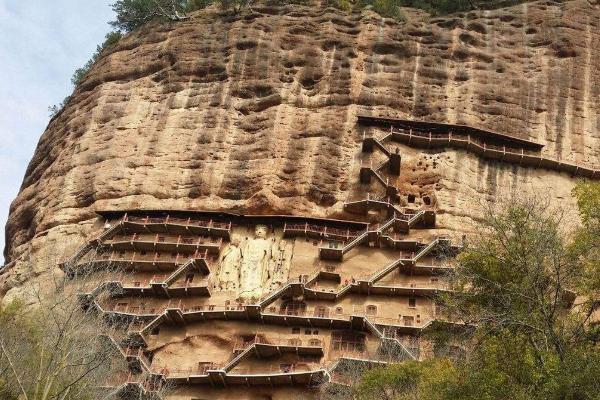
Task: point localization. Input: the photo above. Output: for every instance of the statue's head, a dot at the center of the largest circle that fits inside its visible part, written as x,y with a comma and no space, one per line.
260,231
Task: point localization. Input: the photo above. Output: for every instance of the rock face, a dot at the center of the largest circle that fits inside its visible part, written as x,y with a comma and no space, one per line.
257,114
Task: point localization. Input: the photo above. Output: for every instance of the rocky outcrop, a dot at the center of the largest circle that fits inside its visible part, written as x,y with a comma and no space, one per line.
256,113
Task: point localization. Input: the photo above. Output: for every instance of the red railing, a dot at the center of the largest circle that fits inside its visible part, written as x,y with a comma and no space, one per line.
210,224
321,230
193,284
266,370
153,257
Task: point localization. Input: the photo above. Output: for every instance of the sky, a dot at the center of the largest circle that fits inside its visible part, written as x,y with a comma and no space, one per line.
41,43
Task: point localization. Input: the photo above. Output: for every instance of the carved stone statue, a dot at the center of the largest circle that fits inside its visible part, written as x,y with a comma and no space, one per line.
254,266
254,270
279,265
229,274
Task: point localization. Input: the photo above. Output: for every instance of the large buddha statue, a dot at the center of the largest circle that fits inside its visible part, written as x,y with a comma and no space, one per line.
254,269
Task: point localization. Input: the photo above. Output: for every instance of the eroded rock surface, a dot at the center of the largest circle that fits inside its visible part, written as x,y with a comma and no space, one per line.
257,114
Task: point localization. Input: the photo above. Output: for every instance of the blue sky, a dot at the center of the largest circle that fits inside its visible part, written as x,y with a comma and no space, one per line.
41,43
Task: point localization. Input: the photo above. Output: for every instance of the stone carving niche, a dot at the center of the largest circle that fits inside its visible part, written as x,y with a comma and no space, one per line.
253,266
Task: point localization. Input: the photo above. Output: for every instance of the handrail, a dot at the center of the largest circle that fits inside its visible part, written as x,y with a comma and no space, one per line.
320,230
211,224
258,341
210,242
379,144
88,246
171,373
386,270
531,158
428,127
110,258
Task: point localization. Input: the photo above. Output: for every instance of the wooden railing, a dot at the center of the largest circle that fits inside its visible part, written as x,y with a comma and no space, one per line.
209,224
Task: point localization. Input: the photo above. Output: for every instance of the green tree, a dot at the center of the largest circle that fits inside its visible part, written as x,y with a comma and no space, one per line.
410,380
55,109
234,5
385,8
517,274
524,284
52,350
529,288
131,14
587,239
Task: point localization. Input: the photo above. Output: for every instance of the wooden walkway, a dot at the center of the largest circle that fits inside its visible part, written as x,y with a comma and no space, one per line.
212,232
174,314
402,220
486,144
165,285
144,236
146,263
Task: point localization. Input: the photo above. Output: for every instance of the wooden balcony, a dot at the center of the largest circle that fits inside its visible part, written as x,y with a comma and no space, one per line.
398,242
262,347
484,143
211,312
178,226
220,378
425,128
137,360
157,287
318,293
133,386
161,244
319,232
309,317
148,262
183,288
276,378
406,290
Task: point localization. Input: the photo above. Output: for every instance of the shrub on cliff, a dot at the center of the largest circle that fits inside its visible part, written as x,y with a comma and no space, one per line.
385,8
110,40
79,75
132,14
442,7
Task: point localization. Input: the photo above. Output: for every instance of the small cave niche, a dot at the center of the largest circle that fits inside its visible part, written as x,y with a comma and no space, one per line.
411,198
427,200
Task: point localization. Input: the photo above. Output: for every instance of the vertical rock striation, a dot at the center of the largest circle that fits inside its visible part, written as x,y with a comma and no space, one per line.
257,114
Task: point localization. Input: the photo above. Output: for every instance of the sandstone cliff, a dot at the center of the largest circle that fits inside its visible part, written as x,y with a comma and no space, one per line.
257,114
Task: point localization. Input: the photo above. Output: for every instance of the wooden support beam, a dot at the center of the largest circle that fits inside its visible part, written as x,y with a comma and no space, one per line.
365,174
394,164
368,144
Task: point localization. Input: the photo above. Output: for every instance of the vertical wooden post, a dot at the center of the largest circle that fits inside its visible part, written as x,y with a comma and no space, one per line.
395,161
